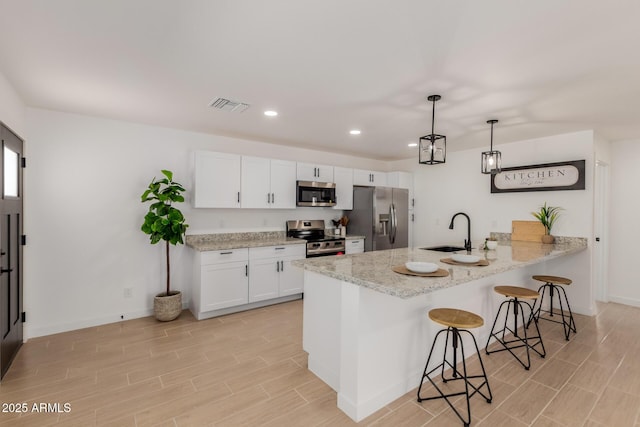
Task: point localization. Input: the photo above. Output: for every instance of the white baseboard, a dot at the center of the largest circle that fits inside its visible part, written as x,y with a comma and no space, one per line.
39,331
624,300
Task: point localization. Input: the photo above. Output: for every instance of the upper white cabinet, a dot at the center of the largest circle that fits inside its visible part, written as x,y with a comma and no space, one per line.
217,180
369,178
313,172
343,177
268,183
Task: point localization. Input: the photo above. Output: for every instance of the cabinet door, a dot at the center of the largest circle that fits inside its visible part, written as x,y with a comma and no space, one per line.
283,184
362,177
217,180
314,172
255,183
223,285
263,279
343,177
291,278
379,179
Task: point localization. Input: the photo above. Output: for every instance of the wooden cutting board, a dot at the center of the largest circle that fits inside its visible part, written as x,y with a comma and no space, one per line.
527,231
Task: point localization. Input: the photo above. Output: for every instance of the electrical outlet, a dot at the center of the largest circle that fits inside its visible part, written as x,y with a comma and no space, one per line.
128,292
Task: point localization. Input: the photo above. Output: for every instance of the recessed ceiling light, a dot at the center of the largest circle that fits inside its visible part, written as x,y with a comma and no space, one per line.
355,132
270,113
412,144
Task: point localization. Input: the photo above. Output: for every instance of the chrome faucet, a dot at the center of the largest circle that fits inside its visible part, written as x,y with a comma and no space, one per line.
467,243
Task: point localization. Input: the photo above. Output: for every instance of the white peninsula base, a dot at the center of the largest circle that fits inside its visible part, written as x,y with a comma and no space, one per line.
370,347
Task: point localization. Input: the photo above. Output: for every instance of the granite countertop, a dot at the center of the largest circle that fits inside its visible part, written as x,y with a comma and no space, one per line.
224,241
373,269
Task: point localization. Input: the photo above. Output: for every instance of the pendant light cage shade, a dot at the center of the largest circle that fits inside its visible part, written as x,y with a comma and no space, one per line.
491,161
432,147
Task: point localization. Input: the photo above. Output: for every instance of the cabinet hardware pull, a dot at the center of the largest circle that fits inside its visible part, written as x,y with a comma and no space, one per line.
246,270
226,253
281,265
279,249
6,270
238,197
273,197
355,241
278,266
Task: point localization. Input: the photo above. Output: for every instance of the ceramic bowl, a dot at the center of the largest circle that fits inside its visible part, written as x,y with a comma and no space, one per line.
465,258
421,267
492,244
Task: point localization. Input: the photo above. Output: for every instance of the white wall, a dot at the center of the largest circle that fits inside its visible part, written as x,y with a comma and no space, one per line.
12,109
624,231
83,184
458,185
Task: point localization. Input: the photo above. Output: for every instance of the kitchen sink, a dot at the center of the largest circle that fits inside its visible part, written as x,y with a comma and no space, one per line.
444,248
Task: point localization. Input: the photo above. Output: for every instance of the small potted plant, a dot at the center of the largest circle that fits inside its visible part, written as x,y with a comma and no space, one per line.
164,222
547,215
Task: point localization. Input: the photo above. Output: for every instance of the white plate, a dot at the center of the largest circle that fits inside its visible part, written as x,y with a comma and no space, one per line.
467,259
421,267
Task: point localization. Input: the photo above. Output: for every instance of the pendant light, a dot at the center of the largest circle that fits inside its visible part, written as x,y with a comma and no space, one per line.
432,148
491,160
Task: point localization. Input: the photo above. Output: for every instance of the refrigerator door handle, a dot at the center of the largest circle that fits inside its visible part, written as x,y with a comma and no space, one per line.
394,224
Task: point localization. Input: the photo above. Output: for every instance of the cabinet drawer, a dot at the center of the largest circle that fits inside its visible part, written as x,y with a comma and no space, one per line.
354,246
230,255
278,251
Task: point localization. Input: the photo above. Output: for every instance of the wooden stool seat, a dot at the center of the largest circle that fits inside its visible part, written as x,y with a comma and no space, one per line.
516,292
556,280
455,318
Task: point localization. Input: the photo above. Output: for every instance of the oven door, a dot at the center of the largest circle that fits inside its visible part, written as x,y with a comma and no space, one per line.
325,248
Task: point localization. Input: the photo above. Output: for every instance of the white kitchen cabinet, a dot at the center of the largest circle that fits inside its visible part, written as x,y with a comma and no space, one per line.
343,178
268,183
369,178
271,274
314,172
216,180
354,246
222,280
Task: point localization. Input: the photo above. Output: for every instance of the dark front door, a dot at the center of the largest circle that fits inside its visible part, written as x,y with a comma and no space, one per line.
10,247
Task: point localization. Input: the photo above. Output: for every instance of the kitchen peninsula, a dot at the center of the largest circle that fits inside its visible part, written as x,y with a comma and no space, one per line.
365,326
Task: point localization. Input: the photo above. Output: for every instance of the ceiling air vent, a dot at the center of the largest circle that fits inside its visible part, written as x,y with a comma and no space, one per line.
228,105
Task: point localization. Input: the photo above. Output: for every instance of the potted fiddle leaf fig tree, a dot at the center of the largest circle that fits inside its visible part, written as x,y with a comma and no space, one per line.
164,222
547,215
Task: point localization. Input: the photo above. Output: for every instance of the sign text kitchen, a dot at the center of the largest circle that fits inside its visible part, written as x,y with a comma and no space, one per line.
545,177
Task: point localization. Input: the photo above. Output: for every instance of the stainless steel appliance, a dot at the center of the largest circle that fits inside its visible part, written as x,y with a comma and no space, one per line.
381,214
318,243
312,193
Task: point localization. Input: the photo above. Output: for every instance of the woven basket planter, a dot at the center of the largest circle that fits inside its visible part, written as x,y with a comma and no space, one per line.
167,308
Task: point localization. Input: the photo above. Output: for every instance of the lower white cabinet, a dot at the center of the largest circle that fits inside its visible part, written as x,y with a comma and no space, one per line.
271,274
354,246
224,280
234,279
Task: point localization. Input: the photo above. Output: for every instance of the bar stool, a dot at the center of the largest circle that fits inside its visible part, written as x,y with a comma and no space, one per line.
551,285
515,306
455,320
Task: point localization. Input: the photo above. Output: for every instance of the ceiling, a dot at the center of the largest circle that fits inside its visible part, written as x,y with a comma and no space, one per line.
541,67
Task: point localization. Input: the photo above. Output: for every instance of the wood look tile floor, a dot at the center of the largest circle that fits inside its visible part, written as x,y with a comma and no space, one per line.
249,369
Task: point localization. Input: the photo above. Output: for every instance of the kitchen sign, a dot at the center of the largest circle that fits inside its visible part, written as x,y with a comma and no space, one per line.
544,177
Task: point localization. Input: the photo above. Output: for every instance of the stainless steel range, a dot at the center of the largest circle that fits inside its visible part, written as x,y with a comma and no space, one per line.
318,243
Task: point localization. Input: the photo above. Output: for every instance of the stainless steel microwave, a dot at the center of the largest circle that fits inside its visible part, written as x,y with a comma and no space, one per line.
312,193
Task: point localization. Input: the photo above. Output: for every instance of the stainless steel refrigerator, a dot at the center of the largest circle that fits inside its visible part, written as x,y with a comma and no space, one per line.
381,214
